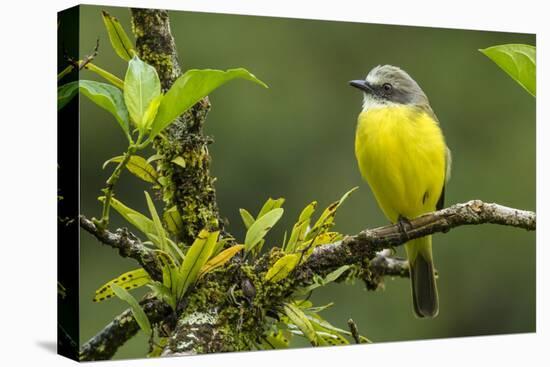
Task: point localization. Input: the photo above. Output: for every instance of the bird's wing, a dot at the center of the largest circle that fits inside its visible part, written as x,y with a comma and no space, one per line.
448,159
448,163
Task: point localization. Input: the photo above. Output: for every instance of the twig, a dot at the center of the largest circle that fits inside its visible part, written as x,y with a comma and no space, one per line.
110,186
354,331
105,343
80,64
127,244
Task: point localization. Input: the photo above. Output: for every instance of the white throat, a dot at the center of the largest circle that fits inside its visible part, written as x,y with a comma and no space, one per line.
370,102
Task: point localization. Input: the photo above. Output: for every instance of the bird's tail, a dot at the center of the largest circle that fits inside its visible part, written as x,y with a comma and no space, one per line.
423,286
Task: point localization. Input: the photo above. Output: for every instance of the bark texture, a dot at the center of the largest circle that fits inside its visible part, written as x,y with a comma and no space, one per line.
127,244
190,189
123,327
365,244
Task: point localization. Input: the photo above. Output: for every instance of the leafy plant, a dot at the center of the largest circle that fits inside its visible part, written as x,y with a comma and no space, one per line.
518,61
180,270
138,104
182,266
304,238
143,111
301,318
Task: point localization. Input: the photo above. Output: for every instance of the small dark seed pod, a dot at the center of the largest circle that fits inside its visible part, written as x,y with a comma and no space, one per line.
248,288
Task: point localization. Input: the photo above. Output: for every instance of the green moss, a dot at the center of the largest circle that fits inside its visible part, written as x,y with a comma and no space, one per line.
240,313
190,188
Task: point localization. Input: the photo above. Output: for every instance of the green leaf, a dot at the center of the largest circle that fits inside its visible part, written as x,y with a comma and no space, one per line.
299,318
141,88
140,221
298,233
269,205
65,93
197,255
151,111
138,166
260,227
175,248
308,211
173,220
158,347
164,293
220,245
518,61
276,341
137,311
220,259
154,157
179,161
248,219
330,338
331,277
159,230
109,98
119,39
189,89
300,228
322,325
282,268
130,280
326,220
169,270
315,309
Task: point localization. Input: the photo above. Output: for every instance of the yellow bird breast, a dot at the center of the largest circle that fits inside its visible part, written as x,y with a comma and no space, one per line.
400,151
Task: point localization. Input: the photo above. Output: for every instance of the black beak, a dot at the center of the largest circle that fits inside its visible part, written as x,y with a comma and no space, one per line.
361,84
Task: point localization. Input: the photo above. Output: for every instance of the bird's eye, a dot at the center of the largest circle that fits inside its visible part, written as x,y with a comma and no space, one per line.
387,87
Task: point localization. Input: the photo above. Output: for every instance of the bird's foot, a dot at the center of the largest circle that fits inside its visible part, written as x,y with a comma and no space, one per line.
404,225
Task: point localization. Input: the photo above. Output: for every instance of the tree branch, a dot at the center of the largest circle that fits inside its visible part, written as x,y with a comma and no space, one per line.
105,343
365,245
127,244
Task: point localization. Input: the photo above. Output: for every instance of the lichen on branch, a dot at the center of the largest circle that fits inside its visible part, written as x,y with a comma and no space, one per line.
189,188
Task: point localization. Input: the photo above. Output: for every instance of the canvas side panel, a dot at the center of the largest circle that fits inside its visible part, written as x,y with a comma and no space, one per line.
68,245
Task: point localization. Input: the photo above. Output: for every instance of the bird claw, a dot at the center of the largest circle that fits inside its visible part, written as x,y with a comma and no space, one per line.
404,226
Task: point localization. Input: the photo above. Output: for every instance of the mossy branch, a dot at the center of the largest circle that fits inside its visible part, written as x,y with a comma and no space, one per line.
206,330
365,244
127,244
213,325
189,188
123,327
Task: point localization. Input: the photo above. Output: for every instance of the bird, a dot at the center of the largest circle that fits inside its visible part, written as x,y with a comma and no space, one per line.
402,154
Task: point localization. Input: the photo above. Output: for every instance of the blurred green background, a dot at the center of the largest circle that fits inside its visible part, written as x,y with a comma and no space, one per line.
295,140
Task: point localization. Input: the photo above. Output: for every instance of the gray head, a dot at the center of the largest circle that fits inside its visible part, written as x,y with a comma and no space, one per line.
386,85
